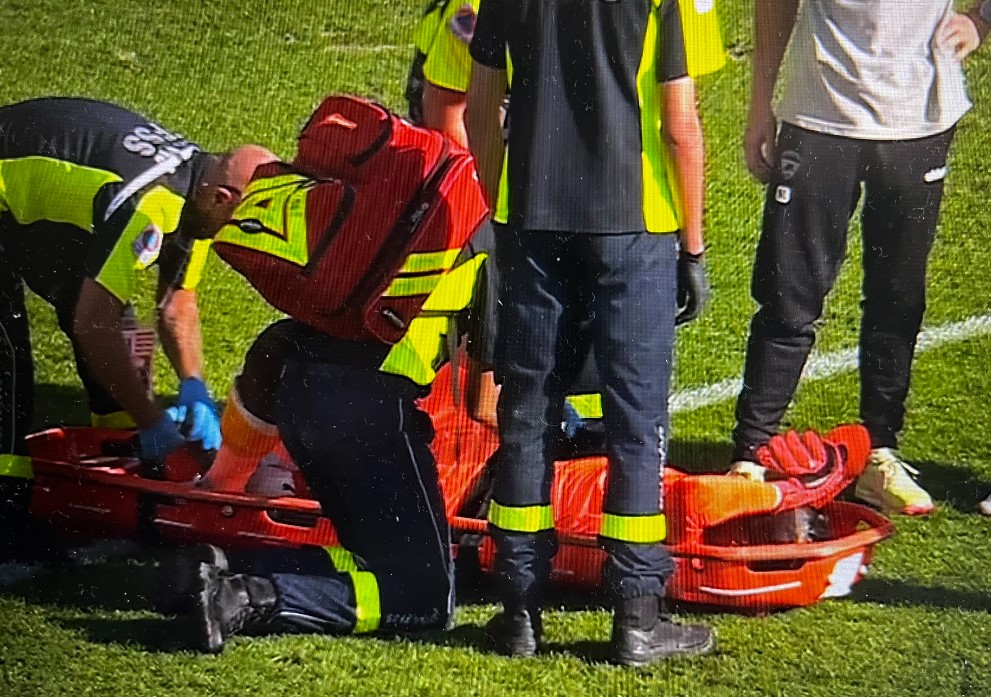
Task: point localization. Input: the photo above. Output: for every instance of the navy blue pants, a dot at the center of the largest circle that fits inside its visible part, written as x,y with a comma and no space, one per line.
810,199
621,289
362,446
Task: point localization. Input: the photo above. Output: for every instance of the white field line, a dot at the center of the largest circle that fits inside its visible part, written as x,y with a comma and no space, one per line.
821,366
377,48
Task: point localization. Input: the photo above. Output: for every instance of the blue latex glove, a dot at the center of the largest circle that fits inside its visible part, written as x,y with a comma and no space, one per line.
159,440
198,414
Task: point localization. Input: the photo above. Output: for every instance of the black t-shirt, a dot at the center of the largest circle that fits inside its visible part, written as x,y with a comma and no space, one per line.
89,189
575,145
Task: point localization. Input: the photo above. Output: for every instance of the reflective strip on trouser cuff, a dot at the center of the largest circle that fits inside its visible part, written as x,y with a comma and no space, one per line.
641,529
367,604
16,466
117,419
521,518
588,406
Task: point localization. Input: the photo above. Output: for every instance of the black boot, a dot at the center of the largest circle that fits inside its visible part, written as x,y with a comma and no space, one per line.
641,635
516,631
229,604
179,577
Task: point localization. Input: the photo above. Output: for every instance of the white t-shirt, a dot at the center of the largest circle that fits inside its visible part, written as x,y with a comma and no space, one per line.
871,69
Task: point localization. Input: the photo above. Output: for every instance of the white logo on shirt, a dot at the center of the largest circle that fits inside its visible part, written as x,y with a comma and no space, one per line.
704,6
783,194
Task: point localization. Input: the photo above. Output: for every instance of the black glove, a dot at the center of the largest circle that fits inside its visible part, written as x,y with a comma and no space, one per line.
693,286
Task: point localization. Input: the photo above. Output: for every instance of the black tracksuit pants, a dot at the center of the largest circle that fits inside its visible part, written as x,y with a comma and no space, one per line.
813,192
362,446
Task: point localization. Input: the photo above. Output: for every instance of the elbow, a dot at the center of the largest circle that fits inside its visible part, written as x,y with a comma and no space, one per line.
684,134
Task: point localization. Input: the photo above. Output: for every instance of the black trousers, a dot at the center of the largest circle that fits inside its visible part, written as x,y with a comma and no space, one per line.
813,192
552,283
362,446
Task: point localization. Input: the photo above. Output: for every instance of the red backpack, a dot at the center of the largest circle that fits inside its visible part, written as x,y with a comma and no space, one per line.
354,234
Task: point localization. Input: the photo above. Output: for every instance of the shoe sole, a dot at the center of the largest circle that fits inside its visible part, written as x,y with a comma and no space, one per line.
210,638
636,662
913,510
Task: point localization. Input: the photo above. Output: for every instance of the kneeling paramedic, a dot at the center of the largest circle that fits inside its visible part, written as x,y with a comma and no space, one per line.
375,286
90,194
347,414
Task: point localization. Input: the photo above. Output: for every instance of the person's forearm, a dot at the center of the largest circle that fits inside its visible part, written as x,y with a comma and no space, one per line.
483,124
688,153
686,145
97,334
180,334
444,110
774,21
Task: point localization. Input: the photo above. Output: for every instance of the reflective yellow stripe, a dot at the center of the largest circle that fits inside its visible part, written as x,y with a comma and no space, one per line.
43,188
197,261
423,347
420,285
117,419
642,529
703,41
342,559
368,605
660,200
448,63
588,406
430,261
16,466
521,518
279,204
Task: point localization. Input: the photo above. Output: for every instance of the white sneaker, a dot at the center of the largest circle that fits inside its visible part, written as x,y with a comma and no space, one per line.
888,484
747,470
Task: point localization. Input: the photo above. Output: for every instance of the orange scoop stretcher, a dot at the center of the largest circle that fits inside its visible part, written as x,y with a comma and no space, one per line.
738,544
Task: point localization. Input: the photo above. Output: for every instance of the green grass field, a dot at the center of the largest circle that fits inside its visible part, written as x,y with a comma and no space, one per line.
224,72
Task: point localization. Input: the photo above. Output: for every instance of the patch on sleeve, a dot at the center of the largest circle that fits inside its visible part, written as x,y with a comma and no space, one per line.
462,23
147,246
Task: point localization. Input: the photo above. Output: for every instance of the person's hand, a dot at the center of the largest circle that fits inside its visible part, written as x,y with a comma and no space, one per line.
759,141
958,35
693,287
197,413
160,439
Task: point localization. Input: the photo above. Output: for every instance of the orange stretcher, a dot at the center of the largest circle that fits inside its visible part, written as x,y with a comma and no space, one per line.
730,552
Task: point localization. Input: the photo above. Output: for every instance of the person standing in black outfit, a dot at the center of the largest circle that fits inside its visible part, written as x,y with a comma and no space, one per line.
592,182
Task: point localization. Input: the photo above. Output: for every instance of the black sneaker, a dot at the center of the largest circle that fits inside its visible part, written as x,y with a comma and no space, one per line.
229,604
178,577
516,633
641,635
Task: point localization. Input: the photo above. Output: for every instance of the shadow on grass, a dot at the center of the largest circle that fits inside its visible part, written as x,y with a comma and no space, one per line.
891,592
953,484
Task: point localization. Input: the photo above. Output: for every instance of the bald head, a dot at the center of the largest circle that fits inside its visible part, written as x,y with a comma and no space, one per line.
224,181
234,169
